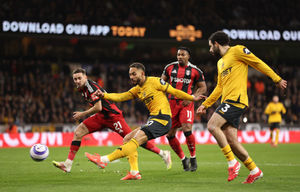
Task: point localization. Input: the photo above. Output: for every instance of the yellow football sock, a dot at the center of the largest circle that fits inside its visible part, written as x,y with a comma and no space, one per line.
276,136
228,153
124,150
133,161
249,163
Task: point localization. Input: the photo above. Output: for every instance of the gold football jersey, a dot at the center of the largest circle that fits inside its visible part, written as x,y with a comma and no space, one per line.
274,111
233,76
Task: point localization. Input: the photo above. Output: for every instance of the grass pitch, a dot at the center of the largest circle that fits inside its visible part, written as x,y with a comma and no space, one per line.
19,173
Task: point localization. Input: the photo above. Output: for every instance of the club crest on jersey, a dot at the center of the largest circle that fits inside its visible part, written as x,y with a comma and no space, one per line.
162,82
94,97
246,51
188,72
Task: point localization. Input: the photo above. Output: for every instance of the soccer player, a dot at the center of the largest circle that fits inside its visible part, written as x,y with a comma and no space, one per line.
274,110
232,85
150,90
184,76
102,114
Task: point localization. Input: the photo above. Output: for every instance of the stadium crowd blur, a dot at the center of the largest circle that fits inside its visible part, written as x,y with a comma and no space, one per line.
230,13
35,79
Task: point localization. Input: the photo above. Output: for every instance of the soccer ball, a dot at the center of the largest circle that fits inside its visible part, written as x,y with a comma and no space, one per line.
39,152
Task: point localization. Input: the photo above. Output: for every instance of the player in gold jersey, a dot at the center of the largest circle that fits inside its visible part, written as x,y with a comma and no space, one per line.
274,110
232,86
152,91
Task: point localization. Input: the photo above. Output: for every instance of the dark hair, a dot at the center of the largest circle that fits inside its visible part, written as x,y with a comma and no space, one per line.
221,37
79,70
186,49
138,66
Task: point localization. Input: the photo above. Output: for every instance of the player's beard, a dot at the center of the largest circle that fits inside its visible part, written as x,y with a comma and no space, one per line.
216,52
181,63
136,82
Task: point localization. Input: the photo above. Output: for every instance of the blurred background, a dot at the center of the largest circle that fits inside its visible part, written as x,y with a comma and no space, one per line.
42,41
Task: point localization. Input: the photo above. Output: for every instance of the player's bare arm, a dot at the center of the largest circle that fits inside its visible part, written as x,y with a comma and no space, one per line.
183,95
201,90
95,109
164,77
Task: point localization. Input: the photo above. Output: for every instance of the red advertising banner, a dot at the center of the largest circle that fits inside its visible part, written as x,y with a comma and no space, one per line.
58,139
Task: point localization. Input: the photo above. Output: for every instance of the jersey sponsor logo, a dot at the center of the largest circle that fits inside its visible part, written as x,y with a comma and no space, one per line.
162,82
246,51
226,72
148,100
181,80
174,71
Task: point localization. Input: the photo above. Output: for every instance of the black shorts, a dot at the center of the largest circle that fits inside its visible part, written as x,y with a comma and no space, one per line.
274,125
153,128
231,113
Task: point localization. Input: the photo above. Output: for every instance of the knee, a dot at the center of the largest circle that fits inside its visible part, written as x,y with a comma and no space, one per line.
127,138
187,127
171,133
79,132
211,127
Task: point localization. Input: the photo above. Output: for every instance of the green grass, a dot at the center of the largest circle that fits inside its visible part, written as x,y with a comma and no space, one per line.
18,172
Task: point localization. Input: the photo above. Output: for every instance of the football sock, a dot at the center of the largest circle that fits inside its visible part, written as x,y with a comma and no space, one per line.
124,150
228,153
133,161
254,171
75,145
104,159
68,162
190,140
174,143
271,135
231,163
161,153
276,136
149,145
133,172
249,163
